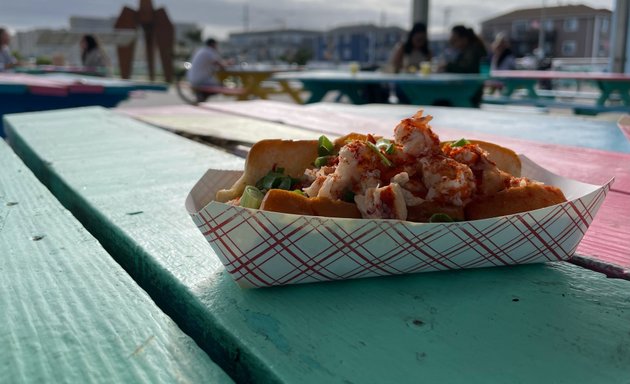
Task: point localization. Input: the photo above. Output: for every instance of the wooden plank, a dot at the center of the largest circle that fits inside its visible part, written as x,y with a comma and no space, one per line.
204,122
329,117
539,323
69,312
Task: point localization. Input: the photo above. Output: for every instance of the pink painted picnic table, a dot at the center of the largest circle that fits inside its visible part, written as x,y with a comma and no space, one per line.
578,156
40,85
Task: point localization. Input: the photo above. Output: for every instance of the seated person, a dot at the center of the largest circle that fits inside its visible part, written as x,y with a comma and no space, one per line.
409,55
7,60
92,55
470,52
414,51
205,62
502,56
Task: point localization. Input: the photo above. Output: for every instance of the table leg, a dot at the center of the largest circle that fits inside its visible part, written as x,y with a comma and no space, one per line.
353,93
317,92
295,95
252,83
608,87
455,95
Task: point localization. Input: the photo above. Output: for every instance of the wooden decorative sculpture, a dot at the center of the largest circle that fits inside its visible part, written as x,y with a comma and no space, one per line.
158,31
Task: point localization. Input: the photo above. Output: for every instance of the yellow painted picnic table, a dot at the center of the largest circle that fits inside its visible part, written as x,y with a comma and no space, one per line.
252,79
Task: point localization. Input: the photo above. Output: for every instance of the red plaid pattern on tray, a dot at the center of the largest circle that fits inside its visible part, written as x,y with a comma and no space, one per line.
261,248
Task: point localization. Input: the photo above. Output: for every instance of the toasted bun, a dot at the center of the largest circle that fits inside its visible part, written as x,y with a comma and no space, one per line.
278,200
514,200
265,155
506,159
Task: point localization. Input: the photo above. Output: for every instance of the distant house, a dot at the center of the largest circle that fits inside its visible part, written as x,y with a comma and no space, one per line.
272,45
569,30
367,44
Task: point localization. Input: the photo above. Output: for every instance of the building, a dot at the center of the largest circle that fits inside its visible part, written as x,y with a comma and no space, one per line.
63,44
272,46
569,31
366,44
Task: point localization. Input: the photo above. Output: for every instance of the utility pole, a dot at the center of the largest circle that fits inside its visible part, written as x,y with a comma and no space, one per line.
620,40
246,17
420,12
541,31
447,18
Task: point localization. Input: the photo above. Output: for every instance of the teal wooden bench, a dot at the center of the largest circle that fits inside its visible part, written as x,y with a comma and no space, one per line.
538,323
69,312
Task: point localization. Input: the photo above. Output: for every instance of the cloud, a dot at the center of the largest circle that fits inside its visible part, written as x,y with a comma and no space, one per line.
219,17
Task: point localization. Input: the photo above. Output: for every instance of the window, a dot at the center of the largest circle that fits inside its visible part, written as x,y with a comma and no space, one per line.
568,48
519,27
605,25
347,53
548,25
571,24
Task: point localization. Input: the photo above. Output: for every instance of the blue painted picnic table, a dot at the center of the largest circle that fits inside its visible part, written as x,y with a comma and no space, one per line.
45,69
25,93
456,89
539,323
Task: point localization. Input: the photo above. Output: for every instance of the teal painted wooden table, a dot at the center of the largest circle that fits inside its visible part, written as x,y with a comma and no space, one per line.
456,89
69,312
539,323
609,84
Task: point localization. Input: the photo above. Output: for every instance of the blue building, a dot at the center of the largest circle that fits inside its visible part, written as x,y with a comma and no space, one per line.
366,44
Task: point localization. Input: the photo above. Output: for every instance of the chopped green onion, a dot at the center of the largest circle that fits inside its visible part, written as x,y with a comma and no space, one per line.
322,160
266,183
386,145
276,180
252,197
440,218
325,146
460,143
384,159
382,143
348,196
283,183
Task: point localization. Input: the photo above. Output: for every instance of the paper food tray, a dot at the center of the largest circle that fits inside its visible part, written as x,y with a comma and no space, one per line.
261,249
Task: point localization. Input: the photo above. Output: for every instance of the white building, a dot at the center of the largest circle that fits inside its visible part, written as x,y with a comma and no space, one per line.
63,44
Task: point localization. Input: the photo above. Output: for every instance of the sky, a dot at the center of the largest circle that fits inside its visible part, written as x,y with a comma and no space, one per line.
220,17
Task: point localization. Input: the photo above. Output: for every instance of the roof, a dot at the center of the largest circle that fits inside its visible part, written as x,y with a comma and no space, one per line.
274,31
360,28
562,11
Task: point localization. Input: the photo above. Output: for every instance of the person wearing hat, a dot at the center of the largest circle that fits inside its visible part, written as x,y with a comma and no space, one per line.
502,56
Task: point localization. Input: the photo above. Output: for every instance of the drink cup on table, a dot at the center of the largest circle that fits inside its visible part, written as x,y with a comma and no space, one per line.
425,67
354,67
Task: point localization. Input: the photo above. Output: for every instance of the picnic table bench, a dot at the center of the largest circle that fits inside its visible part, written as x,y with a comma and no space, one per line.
69,312
612,87
538,323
